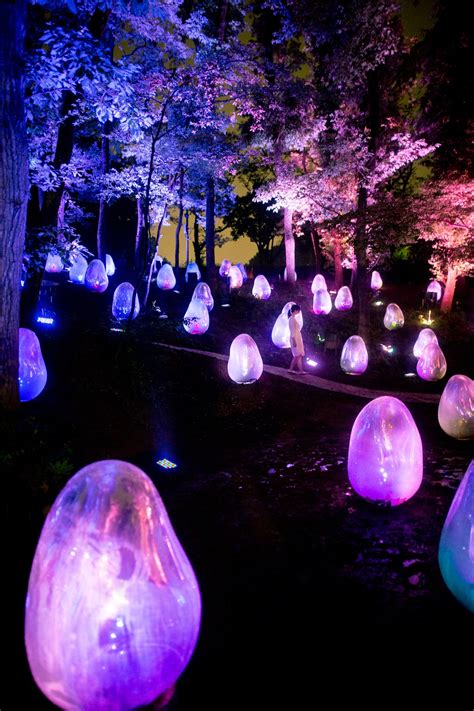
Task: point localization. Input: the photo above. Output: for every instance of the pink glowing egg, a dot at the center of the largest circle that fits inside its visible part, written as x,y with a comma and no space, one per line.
343,300
224,268
261,288
165,279
245,363
203,293
456,407
456,546
236,279
435,287
281,332
393,318
243,271
113,606
54,263
319,282
78,269
122,302
32,374
322,303
196,318
425,336
432,363
109,265
354,356
385,452
96,278
376,282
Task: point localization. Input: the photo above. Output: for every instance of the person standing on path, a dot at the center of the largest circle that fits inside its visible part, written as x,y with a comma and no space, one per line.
296,341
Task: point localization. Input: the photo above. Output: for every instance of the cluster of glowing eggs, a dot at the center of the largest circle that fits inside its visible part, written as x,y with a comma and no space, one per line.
243,271
343,300
425,337
113,607
385,452
95,277
196,318
122,302
78,269
245,363
109,265
319,282
261,288
32,374
224,268
165,279
281,329
354,356
236,279
393,318
431,363
203,293
376,282
322,303
54,263
192,268
434,287
456,408
456,546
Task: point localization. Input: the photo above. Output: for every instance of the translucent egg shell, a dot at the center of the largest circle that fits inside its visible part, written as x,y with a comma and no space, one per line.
96,279
456,407
281,332
203,293
113,606
261,288
432,363
393,318
354,356
192,268
109,265
456,546
165,279
196,318
385,452
319,282
435,287
122,302
32,374
322,303
425,336
245,363
343,300
236,279
287,307
78,269
376,282
54,263
243,271
285,275
224,268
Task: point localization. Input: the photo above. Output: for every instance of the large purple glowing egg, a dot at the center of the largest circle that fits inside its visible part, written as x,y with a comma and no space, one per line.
456,546
425,336
385,452
78,269
322,303
434,287
261,288
432,363
165,279
109,265
203,293
54,263
122,302
456,408
393,318
32,374
245,363
281,332
113,606
243,271
354,356
343,300
196,318
96,278
236,279
224,268
376,282
319,282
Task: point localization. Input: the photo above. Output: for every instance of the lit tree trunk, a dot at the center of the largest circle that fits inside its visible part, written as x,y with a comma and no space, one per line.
448,296
210,229
316,249
180,220
103,207
139,256
338,275
196,243
362,280
289,245
13,191
186,229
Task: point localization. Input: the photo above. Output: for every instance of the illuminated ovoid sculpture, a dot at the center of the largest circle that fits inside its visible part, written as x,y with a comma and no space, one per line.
322,303
393,318
196,318
236,279
165,279
245,363
109,265
243,271
435,287
354,356
54,263
319,282
113,606
456,546
224,268
432,363
78,269
376,282
425,336
95,278
192,268
343,300
385,452
32,374
456,407
203,293
122,302
261,288
285,275
281,331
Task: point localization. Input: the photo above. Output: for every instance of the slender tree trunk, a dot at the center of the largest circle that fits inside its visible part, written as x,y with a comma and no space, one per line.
210,230
153,261
103,207
289,245
448,296
186,229
139,253
180,220
223,20
13,191
338,275
360,251
196,242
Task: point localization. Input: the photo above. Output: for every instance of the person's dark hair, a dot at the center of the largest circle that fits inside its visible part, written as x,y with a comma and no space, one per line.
293,309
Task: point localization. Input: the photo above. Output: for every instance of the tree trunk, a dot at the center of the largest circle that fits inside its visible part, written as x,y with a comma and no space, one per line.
180,220
362,279
196,242
103,207
338,275
13,191
186,229
210,230
139,253
289,245
448,296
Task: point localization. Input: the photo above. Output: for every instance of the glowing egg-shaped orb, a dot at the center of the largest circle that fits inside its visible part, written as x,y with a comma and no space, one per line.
343,300
456,546
224,268
96,279
456,407
196,318
109,265
78,269
236,279
261,288
32,374
122,302
285,275
385,452
287,307
192,268
425,336
165,279
113,606
281,332
54,263
243,271
354,356
319,282
322,303
245,363
432,363
376,282
393,318
434,287
203,293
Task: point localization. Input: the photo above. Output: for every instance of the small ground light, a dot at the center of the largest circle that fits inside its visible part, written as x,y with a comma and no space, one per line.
378,303
387,349
410,375
225,306
311,362
46,318
166,464
118,330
